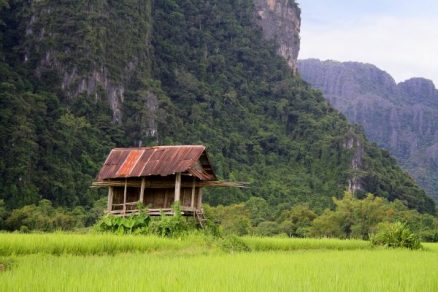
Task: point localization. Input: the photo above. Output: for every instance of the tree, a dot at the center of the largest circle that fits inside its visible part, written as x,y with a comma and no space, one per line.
296,222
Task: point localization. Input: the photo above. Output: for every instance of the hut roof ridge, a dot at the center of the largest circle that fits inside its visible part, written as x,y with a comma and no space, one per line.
157,160
159,146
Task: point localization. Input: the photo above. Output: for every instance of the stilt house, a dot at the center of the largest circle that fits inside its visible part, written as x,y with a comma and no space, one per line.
157,177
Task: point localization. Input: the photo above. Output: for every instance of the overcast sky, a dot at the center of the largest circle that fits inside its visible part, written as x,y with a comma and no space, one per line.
398,36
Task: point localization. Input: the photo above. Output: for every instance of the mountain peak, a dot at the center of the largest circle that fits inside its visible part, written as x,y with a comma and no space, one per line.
421,88
280,21
399,117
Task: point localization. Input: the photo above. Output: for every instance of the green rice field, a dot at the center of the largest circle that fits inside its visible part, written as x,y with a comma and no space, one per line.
92,262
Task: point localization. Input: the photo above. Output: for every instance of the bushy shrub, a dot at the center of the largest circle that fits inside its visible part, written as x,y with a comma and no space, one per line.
211,228
266,228
165,226
297,221
134,224
171,226
234,219
44,217
429,235
233,243
352,218
395,235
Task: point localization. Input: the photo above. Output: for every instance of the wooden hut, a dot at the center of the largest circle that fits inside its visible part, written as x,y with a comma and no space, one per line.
157,177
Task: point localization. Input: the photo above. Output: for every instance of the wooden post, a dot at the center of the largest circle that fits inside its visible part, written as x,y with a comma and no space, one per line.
124,195
110,198
143,182
177,186
192,201
199,199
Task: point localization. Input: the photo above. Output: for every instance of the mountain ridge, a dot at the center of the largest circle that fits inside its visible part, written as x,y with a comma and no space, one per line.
397,116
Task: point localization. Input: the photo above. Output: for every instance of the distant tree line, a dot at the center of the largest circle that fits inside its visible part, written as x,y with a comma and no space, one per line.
350,218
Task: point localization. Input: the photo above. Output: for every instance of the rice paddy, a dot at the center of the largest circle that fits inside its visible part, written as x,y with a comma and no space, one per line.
93,262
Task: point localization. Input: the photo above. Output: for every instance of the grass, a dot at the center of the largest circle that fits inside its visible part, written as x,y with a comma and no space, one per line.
93,262
287,244
109,244
324,270
91,244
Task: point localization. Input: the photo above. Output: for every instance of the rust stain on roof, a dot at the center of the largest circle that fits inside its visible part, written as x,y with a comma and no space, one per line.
158,160
129,163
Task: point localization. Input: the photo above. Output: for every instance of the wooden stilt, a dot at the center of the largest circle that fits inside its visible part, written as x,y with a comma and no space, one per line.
110,199
124,196
192,201
143,183
199,206
177,186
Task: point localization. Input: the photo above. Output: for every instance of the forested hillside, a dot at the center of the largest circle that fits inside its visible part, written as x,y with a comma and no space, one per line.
79,78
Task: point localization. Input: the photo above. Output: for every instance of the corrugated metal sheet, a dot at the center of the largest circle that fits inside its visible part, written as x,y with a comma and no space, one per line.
158,160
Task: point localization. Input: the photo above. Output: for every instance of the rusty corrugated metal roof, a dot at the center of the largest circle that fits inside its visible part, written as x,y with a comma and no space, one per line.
157,160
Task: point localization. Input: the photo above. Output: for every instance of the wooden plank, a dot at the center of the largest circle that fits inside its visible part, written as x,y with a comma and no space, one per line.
177,186
110,198
143,183
124,196
155,212
199,206
168,185
127,204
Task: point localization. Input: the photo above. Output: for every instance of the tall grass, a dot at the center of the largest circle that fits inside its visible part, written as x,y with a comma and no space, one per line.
305,270
105,262
109,244
287,244
90,244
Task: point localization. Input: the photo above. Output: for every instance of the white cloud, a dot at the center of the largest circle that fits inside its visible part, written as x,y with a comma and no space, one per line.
404,47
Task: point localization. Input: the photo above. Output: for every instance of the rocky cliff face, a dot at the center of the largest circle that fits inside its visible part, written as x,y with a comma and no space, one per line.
402,118
280,21
86,48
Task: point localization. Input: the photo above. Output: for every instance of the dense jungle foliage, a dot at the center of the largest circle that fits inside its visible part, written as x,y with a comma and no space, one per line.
351,218
372,218
217,83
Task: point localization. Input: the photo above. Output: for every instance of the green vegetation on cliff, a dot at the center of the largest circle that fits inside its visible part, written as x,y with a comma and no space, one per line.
168,72
232,92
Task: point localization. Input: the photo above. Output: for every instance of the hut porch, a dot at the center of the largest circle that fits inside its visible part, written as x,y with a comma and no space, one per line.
156,193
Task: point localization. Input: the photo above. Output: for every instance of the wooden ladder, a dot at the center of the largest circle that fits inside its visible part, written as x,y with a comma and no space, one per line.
199,214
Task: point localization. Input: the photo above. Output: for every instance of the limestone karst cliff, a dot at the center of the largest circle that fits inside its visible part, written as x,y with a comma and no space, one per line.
280,21
87,48
402,118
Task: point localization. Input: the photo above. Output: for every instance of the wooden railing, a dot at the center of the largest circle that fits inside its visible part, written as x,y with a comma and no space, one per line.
151,211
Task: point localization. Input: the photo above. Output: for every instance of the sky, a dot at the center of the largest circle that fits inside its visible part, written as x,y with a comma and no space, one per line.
398,36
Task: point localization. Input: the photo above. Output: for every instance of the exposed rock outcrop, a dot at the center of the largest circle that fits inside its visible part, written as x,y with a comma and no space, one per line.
98,60
402,118
354,144
280,21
